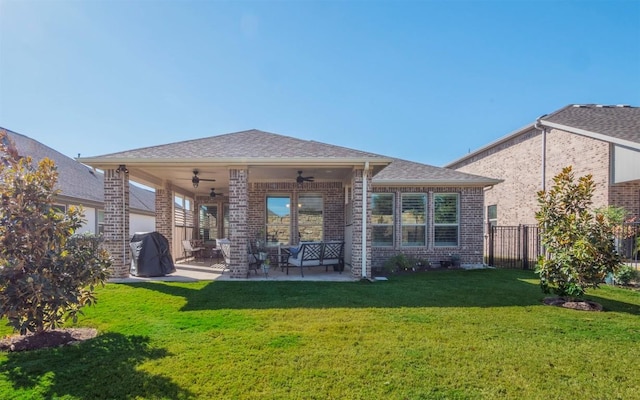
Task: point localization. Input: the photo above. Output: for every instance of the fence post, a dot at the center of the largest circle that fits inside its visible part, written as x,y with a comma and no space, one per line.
525,247
491,244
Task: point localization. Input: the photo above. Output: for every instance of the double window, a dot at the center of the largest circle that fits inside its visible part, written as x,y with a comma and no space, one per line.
413,220
308,212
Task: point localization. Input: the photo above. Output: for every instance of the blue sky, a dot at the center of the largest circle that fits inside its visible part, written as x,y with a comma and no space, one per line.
421,80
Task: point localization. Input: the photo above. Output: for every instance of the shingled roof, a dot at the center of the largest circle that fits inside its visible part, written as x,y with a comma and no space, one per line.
76,180
619,122
247,145
401,172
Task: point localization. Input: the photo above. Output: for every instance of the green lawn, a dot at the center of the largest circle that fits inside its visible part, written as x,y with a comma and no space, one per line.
438,335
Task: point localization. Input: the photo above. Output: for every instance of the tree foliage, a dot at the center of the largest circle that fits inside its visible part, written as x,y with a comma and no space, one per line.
47,274
579,248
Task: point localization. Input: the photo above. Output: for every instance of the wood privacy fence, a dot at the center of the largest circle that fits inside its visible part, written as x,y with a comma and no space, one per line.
519,246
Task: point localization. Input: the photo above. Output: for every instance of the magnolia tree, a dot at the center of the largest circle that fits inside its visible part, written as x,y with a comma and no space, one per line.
47,274
578,242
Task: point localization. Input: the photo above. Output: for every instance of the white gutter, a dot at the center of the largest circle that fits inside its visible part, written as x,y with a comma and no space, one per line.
364,219
543,165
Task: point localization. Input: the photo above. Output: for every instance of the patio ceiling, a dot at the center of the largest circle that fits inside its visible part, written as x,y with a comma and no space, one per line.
179,176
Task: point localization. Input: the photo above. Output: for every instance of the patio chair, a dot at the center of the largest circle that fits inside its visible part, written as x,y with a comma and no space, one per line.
189,250
225,249
252,259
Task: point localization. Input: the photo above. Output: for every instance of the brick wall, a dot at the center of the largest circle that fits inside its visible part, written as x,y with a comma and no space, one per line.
471,237
357,207
518,162
238,222
626,195
116,221
164,216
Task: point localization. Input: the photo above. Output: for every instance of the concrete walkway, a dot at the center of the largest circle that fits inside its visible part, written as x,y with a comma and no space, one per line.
202,271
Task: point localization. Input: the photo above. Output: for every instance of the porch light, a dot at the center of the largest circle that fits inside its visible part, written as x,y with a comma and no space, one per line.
122,168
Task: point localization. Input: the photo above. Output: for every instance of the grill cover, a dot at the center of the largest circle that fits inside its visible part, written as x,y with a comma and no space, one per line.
150,255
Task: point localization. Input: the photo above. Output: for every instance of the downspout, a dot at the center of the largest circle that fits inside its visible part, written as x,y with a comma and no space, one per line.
543,165
364,219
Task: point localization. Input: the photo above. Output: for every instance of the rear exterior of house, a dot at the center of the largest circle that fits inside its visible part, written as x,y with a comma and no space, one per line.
603,141
377,205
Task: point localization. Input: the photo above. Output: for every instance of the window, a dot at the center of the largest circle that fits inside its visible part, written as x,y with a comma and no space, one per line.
225,220
208,222
446,219
100,222
382,219
414,219
310,218
278,220
492,215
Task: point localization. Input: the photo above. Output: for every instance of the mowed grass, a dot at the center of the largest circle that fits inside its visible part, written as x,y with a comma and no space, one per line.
437,335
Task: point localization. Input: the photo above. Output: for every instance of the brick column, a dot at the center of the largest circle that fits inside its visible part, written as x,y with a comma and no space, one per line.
357,245
238,221
116,220
164,214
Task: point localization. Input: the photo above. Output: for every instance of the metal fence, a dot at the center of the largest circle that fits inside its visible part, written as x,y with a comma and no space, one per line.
519,246
626,241
512,246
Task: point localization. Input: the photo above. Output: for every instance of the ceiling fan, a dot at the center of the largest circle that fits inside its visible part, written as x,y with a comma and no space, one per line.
300,179
196,179
213,193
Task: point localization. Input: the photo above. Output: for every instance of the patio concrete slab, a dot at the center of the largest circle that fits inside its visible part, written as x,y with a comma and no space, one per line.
192,271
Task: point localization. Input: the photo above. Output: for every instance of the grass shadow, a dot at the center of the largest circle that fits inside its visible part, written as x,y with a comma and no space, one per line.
100,368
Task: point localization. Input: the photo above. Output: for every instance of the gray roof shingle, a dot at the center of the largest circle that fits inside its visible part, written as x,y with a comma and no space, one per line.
621,122
76,180
245,144
403,170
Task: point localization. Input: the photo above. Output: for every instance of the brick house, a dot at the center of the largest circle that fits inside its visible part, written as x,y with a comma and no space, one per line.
245,185
80,185
600,140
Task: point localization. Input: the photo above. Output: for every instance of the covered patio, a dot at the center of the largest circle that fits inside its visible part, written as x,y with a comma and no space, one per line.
246,187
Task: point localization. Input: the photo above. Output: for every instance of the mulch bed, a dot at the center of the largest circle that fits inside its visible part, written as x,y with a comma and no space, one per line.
582,305
46,339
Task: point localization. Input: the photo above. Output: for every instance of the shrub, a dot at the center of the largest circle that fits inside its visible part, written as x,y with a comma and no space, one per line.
579,248
46,273
399,262
625,274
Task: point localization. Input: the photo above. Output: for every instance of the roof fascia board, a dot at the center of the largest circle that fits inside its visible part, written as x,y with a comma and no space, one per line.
594,135
495,143
419,182
107,163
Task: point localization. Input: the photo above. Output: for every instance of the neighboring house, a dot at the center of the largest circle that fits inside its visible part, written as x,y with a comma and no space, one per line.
600,140
81,185
379,206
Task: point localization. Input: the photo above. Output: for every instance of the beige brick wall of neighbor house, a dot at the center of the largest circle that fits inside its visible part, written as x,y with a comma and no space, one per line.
626,195
518,163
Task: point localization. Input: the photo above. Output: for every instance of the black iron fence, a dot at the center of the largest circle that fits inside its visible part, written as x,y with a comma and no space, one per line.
626,240
512,246
519,246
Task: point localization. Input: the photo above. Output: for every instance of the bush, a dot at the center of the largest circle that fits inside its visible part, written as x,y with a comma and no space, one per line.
625,275
46,273
399,262
579,248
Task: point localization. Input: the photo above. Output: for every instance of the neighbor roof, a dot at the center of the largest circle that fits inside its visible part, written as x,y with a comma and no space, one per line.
618,124
75,180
